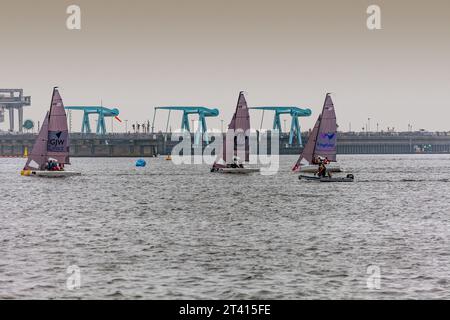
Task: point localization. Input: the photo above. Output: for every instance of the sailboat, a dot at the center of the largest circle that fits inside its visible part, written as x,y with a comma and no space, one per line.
238,130
52,144
321,142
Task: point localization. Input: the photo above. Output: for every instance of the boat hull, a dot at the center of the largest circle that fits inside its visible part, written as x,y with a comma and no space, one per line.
332,167
237,170
348,178
49,174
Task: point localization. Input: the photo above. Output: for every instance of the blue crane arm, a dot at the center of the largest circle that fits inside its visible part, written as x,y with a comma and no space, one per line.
295,113
292,110
210,112
301,112
202,112
107,112
102,113
207,112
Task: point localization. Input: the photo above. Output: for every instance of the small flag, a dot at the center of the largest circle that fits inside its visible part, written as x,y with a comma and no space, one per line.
117,118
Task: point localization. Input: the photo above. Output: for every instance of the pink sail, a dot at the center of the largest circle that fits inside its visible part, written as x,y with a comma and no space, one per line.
38,156
241,117
238,131
326,139
308,151
322,141
58,133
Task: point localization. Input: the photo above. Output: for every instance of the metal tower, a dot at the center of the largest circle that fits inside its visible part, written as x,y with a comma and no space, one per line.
13,99
202,112
102,113
295,113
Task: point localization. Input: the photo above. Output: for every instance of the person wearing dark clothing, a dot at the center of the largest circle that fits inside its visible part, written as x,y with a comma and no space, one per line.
322,172
50,165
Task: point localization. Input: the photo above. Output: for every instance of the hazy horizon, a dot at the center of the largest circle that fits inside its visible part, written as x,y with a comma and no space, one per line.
137,54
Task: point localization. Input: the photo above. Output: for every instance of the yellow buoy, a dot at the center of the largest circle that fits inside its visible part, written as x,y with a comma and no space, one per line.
25,152
25,173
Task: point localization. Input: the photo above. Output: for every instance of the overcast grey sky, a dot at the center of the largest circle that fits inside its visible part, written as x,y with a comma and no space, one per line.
137,54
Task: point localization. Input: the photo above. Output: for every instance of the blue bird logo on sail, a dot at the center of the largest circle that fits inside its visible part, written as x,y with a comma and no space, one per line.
326,141
329,135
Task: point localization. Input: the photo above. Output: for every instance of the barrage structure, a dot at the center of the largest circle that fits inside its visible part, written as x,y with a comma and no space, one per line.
151,144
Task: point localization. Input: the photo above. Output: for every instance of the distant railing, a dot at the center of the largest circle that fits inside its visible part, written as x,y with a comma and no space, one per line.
282,135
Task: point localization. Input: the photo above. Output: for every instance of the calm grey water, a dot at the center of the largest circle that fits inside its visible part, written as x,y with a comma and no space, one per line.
175,232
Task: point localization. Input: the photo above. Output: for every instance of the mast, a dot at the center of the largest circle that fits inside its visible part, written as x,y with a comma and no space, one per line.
319,123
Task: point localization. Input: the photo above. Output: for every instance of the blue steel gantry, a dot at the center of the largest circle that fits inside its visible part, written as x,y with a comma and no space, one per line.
102,113
202,112
295,113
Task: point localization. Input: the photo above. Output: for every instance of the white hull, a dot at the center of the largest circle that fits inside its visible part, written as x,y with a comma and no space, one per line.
50,174
348,178
332,167
237,170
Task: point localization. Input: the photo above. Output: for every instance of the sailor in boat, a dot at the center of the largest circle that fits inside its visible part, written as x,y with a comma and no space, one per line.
54,166
316,160
236,163
322,172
